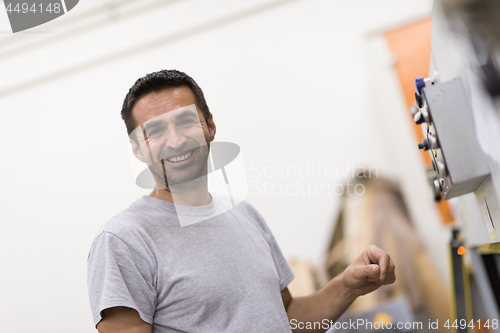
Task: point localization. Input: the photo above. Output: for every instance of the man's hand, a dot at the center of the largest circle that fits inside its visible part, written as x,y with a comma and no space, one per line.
372,269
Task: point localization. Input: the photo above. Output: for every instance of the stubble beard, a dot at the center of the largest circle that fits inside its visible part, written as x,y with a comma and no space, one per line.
168,179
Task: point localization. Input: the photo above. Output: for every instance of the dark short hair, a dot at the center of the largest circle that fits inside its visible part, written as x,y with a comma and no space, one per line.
156,82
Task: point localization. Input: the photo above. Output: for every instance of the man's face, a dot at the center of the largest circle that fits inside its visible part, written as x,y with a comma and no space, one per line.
173,136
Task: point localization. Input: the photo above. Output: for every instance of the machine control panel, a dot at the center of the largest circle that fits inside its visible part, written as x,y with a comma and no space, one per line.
446,117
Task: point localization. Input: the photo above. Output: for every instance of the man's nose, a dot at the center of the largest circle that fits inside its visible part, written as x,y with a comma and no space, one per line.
175,138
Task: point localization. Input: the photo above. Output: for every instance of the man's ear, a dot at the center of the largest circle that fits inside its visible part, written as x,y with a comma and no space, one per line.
137,151
211,127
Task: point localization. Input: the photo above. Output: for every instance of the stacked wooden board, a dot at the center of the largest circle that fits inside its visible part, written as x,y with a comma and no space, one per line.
379,217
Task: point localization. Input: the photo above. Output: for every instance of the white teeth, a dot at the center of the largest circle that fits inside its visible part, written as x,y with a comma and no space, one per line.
179,158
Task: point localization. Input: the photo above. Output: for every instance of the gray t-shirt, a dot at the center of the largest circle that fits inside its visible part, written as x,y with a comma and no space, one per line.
223,274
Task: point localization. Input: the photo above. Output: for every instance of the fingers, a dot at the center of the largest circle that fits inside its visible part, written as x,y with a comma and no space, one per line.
392,267
388,279
391,279
373,266
362,272
378,256
391,274
372,273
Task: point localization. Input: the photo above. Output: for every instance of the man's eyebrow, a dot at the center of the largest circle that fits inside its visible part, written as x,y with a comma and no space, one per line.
152,123
186,113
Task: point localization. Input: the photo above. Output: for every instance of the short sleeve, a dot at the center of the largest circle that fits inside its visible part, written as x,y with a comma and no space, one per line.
284,271
117,275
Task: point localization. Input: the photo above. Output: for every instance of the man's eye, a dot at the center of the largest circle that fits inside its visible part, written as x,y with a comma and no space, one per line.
156,131
185,122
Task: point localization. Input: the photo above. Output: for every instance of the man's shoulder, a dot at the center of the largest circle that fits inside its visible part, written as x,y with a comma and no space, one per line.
251,213
135,225
132,215
139,217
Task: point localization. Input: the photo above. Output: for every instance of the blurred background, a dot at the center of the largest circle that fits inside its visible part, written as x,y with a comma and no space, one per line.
301,86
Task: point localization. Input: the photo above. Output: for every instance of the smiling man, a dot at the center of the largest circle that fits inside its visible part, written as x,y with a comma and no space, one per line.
174,140
150,272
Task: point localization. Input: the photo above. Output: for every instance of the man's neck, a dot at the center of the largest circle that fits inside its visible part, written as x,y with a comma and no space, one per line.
194,193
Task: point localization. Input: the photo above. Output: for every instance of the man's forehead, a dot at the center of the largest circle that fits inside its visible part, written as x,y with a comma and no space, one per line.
156,103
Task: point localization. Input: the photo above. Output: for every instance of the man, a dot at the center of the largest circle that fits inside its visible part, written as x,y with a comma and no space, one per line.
221,271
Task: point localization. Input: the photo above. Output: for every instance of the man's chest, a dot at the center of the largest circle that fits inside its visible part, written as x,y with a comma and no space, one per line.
226,268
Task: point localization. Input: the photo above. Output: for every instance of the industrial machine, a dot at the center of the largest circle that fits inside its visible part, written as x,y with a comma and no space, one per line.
458,107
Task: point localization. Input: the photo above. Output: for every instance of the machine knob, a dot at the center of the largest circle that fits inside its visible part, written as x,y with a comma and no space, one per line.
418,118
441,168
419,99
437,190
414,109
425,145
419,85
425,115
433,142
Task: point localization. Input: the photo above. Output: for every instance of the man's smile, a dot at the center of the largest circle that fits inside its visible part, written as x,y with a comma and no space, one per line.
181,159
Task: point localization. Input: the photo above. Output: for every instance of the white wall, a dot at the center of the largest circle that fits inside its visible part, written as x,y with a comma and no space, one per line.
286,80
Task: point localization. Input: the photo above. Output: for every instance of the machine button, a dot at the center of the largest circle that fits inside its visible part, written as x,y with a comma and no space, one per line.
441,168
437,190
424,145
418,117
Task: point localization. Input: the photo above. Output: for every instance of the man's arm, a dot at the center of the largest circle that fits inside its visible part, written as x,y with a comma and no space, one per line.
372,269
122,320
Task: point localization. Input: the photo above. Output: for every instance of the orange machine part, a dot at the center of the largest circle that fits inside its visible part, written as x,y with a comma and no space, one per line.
411,47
